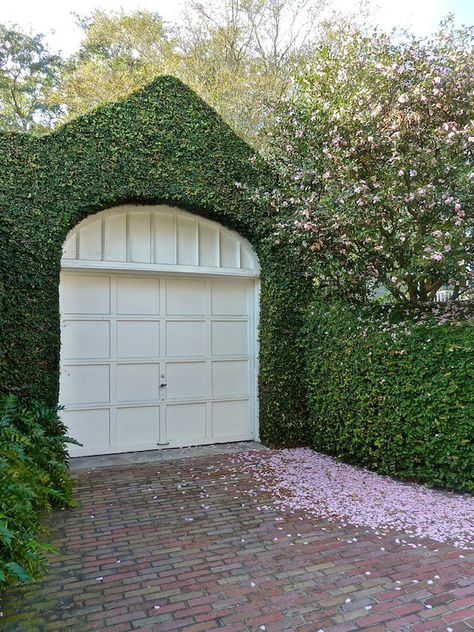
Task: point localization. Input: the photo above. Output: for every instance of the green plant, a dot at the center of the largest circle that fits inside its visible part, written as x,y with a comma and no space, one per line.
29,71
390,390
33,476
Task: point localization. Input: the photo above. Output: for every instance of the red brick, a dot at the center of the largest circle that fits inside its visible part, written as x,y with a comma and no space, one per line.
180,566
459,615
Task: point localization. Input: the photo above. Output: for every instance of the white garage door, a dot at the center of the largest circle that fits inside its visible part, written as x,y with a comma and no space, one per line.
152,360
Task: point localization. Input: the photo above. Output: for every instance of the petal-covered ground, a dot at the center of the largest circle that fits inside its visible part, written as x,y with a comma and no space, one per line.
304,480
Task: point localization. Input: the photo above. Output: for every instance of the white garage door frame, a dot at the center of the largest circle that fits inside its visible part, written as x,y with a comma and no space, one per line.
245,267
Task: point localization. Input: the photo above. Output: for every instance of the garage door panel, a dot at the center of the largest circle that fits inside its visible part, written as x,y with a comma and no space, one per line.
137,382
230,338
89,427
185,423
231,419
230,298
85,294
90,241
186,380
115,238
125,334
138,425
138,339
85,339
230,379
185,297
85,384
230,251
138,296
208,246
185,338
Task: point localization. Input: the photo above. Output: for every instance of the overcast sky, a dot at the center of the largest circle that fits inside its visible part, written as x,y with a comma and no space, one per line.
55,18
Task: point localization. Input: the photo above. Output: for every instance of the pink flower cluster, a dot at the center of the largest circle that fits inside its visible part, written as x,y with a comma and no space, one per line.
374,151
318,485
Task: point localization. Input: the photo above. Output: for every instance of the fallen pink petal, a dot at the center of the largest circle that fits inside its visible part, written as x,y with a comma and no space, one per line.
300,479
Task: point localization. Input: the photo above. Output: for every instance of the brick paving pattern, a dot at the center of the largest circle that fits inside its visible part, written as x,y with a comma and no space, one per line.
180,546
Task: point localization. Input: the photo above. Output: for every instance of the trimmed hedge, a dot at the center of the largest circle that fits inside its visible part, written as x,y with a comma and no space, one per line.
394,392
162,145
33,476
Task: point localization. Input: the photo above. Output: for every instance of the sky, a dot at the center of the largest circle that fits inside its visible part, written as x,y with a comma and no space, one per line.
55,19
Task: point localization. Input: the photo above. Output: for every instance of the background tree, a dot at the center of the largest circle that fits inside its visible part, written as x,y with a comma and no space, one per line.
119,53
29,71
236,54
239,54
375,152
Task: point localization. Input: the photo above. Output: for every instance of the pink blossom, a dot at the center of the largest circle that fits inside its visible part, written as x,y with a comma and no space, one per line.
370,189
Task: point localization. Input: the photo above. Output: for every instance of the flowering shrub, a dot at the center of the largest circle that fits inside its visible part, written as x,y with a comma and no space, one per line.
391,389
375,151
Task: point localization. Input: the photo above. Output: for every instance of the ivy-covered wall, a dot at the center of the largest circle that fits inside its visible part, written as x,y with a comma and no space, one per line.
162,145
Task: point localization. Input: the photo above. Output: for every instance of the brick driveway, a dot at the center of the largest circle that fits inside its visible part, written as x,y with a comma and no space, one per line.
178,545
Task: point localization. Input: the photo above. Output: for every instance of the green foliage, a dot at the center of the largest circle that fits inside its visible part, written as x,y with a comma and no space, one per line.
392,390
33,476
284,293
119,54
162,145
28,73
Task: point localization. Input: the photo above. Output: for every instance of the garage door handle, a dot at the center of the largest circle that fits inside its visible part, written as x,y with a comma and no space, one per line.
163,385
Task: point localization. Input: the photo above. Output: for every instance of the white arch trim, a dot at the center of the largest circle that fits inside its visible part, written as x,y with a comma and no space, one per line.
158,238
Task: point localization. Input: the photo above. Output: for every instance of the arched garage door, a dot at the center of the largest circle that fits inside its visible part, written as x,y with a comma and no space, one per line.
158,332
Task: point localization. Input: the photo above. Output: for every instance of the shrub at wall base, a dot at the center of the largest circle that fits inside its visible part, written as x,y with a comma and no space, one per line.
33,476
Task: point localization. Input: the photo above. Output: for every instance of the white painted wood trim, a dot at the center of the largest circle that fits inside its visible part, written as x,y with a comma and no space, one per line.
89,242
256,330
128,267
